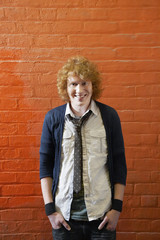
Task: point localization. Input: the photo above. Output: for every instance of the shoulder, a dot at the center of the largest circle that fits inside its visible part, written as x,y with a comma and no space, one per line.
58,110
56,114
106,109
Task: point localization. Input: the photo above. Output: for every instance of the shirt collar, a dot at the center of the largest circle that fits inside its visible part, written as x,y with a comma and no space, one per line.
93,107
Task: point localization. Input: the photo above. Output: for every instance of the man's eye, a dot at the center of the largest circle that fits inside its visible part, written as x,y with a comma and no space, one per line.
84,83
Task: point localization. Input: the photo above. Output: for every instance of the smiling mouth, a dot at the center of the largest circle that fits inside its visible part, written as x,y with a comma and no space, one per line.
81,96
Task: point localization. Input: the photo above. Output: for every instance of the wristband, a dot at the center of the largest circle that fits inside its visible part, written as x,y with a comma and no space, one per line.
117,205
49,208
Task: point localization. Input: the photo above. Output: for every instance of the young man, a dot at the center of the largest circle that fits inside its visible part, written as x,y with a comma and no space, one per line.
82,158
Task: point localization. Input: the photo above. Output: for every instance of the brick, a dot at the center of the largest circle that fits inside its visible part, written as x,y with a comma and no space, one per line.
3,41
145,154
34,103
21,117
126,116
155,102
46,91
4,204
134,225
129,189
118,91
14,13
147,116
7,27
146,164
148,188
3,141
31,227
129,103
9,227
148,91
151,213
21,190
100,27
7,177
126,236
11,79
100,3
134,53
99,53
19,166
113,40
136,3
30,80
140,128
40,3
8,128
133,13
129,66
148,236
32,14
155,51
138,27
47,14
39,214
16,91
7,103
131,201
6,153
155,226
138,177
30,177
25,202
50,41
30,129
155,176
48,27
126,214
1,14
5,54
146,39
16,214
82,14
141,140
18,236
30,153
20,40
131,79
32,27
149,201
44,236
44,67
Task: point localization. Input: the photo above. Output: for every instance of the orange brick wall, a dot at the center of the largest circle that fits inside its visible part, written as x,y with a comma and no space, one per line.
36,37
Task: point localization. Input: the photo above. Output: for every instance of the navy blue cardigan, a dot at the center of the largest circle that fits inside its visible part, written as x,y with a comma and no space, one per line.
51,140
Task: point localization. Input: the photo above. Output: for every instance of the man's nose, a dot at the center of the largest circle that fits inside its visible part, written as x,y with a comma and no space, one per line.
79,88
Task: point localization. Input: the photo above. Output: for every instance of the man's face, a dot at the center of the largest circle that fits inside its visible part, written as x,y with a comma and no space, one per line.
79,91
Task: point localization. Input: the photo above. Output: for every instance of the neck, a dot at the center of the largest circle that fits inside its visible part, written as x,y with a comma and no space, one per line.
79,110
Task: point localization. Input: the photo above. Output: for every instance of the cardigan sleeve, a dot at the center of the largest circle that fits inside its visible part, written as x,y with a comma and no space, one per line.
46,149
118,151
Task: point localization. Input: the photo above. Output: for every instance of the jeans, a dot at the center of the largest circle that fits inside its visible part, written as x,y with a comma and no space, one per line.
81,230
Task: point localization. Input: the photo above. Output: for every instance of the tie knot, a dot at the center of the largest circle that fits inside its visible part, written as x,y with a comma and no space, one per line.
78,122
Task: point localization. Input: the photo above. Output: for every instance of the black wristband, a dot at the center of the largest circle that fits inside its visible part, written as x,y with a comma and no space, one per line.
49,208
117,205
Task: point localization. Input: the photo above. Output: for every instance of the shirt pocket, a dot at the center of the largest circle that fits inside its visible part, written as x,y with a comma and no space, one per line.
67,142
98,141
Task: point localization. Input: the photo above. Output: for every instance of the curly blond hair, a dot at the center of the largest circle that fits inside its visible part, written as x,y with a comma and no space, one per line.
83,68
